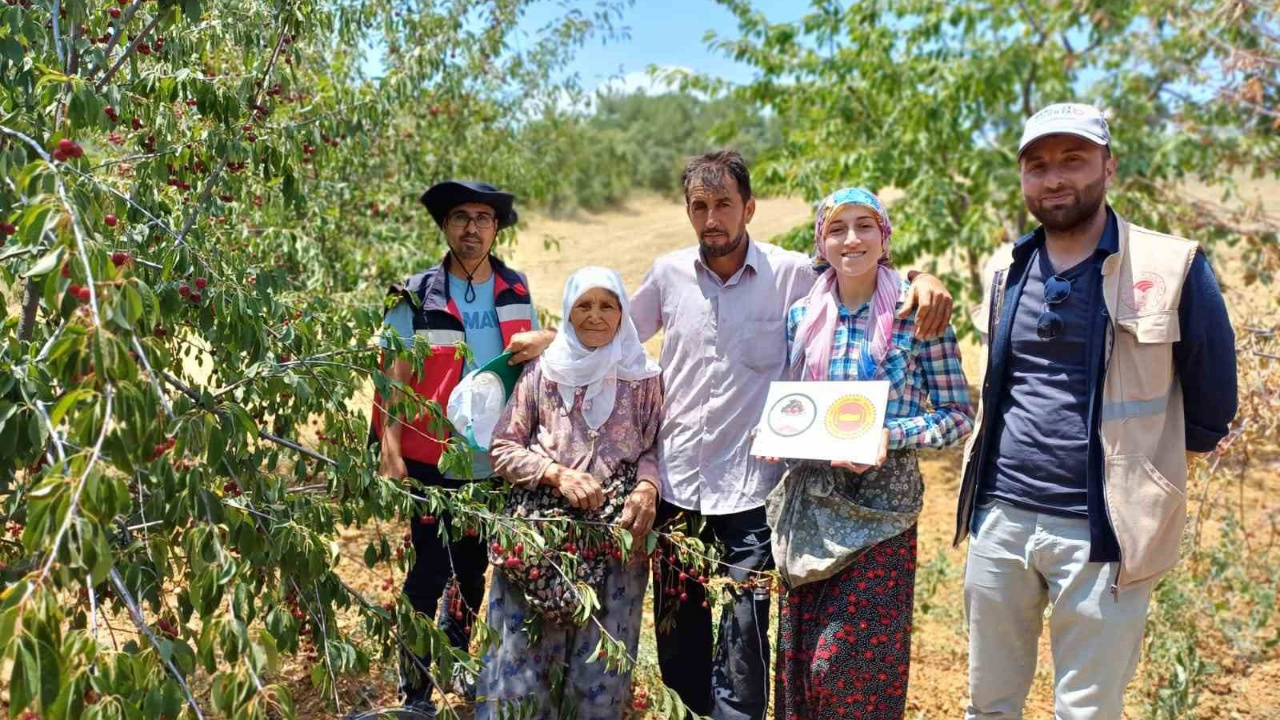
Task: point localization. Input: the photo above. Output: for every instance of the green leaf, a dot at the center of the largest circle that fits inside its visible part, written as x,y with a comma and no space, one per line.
133,304
47,264
191,8
67,402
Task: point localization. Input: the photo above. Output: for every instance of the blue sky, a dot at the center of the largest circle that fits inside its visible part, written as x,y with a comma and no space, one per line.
667,33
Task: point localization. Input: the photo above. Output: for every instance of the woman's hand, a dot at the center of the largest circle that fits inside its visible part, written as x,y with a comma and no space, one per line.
581,489
639,511
858,468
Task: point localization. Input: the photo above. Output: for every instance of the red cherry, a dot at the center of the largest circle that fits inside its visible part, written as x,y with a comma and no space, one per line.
65,145
496,547
119,258
428,519
114,13
513,562
110,220
184,291
684,597
76,151
202,283
144,49
196,296
534,574
123,2
59,155
74,289
518,549
84,294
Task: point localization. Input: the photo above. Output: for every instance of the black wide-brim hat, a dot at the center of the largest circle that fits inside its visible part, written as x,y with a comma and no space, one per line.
443,197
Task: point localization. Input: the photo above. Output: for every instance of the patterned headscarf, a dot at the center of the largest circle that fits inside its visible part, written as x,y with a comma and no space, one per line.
814,336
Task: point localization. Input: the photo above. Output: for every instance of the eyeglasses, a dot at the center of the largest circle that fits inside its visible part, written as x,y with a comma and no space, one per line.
1050,324
460,220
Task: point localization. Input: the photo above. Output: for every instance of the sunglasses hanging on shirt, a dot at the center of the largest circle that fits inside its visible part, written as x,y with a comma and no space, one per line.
1050,324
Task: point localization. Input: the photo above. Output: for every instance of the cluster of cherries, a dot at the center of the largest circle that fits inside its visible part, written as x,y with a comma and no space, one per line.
67,149
196,295
164,447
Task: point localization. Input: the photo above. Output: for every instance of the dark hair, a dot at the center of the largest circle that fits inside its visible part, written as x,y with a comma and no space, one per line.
710,168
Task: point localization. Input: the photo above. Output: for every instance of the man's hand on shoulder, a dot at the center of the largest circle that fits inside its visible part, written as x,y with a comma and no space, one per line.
528,345
928,297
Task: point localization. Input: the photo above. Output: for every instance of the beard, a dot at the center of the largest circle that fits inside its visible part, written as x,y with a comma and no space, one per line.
1064,218
473,249
715,251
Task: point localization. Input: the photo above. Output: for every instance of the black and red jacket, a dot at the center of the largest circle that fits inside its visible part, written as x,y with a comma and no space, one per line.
436,319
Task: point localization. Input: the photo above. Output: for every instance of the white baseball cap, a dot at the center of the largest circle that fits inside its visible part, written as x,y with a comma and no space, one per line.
1077,119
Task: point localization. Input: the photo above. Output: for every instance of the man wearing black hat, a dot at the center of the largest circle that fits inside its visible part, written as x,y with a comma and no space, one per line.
469,297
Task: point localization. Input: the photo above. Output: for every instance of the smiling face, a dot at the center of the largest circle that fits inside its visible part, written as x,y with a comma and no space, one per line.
852,241
467,241
1064,180
596,316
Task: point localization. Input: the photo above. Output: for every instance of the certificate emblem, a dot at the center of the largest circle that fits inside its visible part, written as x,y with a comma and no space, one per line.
850,416
792,414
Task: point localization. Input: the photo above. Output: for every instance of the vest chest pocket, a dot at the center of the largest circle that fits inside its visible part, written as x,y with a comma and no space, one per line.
1143,355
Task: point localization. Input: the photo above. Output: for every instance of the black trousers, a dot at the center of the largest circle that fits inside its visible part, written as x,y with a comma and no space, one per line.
731,680
453,568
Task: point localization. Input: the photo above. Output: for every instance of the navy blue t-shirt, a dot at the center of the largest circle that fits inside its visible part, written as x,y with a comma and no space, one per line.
1041,459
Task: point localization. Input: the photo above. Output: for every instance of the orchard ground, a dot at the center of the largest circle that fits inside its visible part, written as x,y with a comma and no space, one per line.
628,239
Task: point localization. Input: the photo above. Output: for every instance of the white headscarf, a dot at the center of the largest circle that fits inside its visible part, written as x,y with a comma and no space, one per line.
571,365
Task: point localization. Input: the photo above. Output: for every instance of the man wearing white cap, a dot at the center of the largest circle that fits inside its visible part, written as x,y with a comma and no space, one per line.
1111,359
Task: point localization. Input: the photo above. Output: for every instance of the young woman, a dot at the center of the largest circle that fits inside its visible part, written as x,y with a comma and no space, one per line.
844,643
576,439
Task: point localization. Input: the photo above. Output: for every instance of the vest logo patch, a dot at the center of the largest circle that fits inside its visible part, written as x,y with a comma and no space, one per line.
1147,292
850,416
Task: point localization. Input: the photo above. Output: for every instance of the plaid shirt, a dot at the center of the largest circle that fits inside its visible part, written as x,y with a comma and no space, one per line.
928,396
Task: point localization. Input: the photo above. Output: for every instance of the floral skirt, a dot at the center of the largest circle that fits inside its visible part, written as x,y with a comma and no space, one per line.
844,644
555,673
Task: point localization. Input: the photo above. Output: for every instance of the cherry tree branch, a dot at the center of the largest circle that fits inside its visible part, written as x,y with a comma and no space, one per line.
133,46
136,615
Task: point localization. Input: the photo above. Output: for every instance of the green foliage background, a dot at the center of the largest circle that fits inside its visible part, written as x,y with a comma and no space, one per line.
192,289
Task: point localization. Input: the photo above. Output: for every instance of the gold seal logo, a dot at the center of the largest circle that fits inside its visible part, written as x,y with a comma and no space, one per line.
850,417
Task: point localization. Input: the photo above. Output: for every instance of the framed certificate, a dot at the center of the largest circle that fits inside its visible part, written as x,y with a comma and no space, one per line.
823,421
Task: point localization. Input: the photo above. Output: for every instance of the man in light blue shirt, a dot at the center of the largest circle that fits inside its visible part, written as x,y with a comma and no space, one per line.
469,297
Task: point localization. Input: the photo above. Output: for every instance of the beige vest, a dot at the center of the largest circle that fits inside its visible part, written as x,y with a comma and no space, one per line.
1142,430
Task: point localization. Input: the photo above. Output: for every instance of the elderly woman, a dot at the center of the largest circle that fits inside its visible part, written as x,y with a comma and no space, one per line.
577,440
844,643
